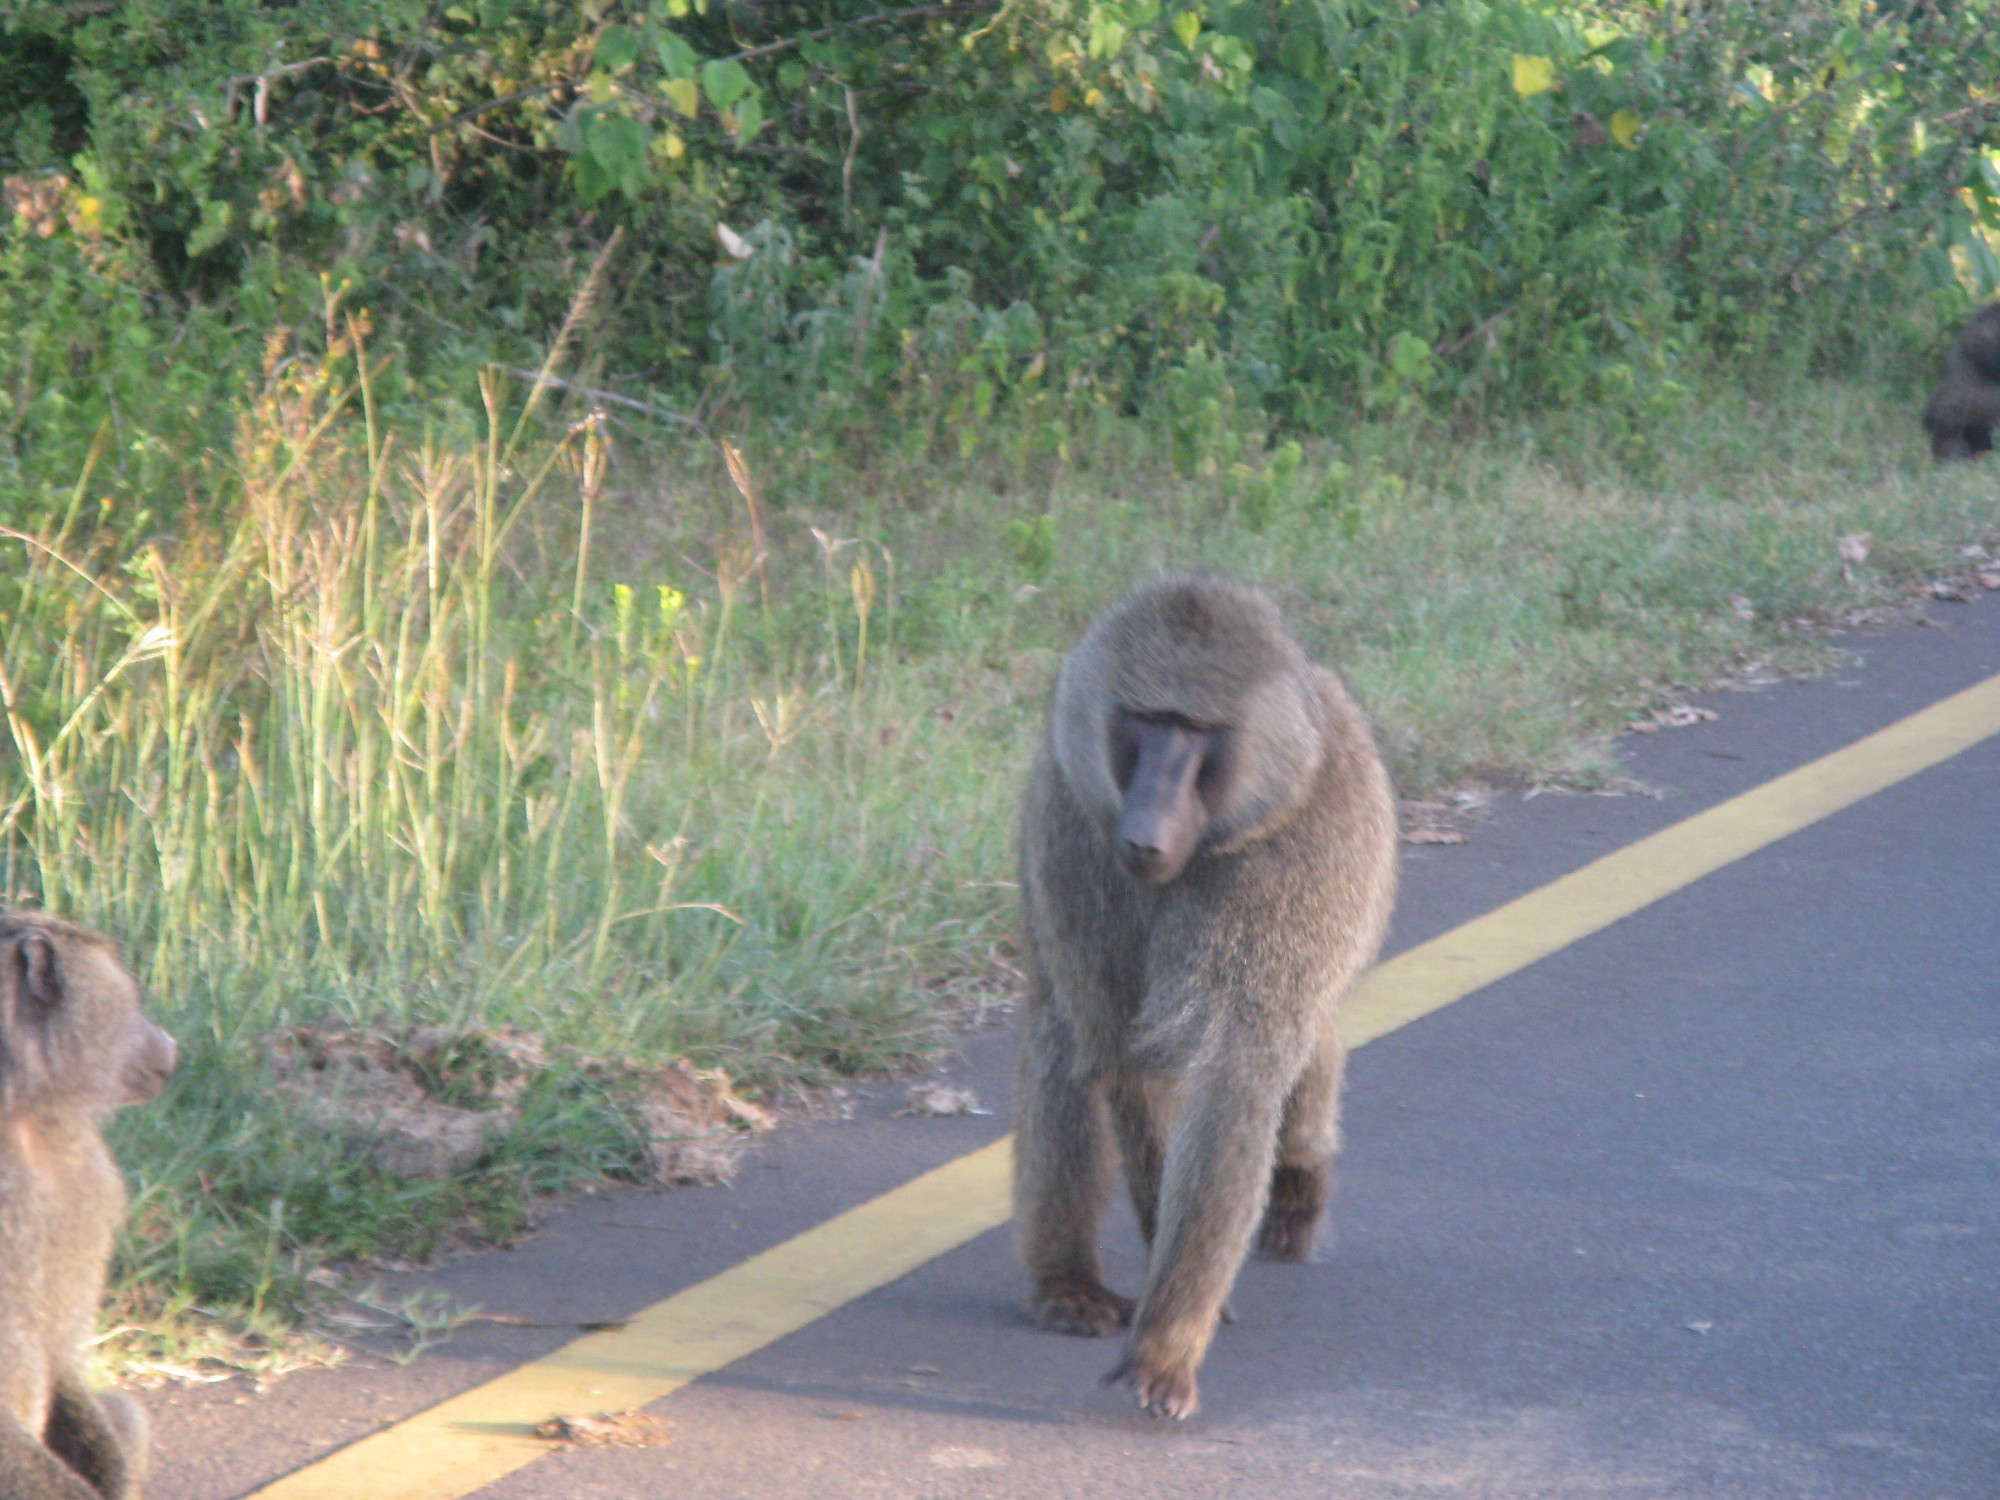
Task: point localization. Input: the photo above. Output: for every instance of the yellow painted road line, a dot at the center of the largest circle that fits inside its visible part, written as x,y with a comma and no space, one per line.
1505,941
466,1443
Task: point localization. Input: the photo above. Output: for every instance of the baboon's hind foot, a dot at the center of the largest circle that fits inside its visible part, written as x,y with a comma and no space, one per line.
1291,1219
1080,1305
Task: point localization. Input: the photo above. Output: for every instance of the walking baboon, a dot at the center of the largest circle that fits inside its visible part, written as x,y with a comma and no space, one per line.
1962,412
73,1048
1208,858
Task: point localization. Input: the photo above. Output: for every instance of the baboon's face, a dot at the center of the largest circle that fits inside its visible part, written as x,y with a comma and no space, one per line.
71,1029
149,1054
1172,773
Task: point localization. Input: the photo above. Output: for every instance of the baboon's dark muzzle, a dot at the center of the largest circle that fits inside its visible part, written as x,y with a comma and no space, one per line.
1163,815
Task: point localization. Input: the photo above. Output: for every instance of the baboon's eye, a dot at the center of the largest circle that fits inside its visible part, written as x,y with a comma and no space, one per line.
1211,782
1124,751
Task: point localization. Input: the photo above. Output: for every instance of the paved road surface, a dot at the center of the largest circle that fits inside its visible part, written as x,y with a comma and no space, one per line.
1703,1205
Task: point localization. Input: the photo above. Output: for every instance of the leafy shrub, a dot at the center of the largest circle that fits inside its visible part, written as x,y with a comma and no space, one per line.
1229,214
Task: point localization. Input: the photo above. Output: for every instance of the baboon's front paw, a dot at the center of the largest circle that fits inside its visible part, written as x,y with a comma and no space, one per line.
1291,1219
1076,1305
1166,1387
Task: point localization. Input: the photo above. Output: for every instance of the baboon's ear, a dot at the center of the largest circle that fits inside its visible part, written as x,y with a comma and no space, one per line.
29,987
37,982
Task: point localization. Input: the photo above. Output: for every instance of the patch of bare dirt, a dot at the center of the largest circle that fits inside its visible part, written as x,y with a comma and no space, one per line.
696,1124
429,1101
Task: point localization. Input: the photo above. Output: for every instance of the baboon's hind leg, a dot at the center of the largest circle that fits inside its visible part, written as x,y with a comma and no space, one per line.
1062,1169
102,1437
1307,1141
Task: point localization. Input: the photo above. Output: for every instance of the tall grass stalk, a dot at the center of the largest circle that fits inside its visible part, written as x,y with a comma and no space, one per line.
355,753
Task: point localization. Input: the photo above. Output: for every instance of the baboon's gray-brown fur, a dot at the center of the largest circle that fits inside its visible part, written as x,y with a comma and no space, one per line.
73,1048
1208,859
1965,407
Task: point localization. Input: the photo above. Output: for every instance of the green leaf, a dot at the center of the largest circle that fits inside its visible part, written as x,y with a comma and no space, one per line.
724,82
676,56
211,231
618,148
1231,53
570,131
1033,544
592,181
1107,35
1187,26
1985,266
684,94
749,117
1410,358
617,49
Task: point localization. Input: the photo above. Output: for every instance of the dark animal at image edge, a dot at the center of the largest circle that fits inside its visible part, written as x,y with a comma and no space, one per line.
1964,408
1208,860
73,1048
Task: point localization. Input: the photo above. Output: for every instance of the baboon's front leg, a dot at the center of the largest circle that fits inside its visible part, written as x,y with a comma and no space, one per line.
1217,1173
1307,1142
1062,1162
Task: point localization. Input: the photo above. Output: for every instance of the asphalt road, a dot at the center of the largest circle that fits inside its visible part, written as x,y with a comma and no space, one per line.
1701,1205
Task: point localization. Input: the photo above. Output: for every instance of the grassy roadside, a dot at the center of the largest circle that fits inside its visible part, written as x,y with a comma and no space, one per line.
507,727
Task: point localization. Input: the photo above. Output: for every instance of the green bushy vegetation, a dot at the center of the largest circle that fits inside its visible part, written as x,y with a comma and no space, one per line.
1223,215
557,516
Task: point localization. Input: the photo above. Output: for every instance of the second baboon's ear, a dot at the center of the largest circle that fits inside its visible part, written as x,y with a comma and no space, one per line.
27,987
36,979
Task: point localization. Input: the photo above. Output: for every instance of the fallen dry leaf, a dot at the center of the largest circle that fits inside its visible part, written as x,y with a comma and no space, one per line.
1433,836
1673,716
734,245
1680,715
624,1429
1854,548
1951,590
1988,578
935,1098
